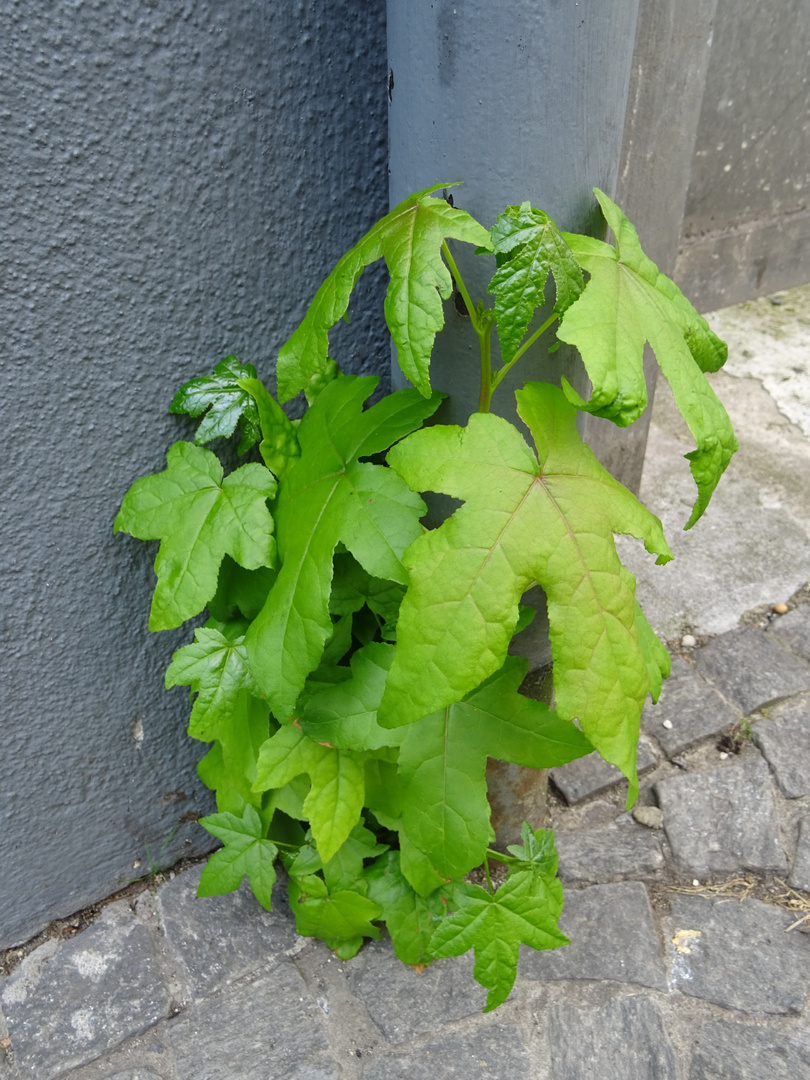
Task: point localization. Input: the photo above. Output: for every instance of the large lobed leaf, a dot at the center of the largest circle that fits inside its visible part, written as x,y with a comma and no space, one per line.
327,496
626,303
246,853
409,238
525,520
199,517
529,247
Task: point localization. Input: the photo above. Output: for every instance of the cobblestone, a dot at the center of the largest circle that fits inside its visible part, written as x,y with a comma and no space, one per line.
486,1053
793,630
691,707
800,867
737,954
784,739
589,775
603,855
751,669
732,1051
722,819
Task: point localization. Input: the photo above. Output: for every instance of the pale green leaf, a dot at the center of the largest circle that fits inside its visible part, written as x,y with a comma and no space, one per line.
524,910
409,238
658,660
341,918
246,854
224,402
199,518
216,669
337,778
524,521
626,303
279,446
327,496
528,246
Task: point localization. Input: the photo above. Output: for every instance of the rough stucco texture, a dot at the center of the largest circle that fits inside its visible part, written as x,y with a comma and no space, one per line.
179,177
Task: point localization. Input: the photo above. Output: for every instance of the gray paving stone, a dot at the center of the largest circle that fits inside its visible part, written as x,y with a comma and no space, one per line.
265,1029
612,937
608,854
588,775
693,708
751,669
793,630
623,1039
800,867
742,958
729,1051
486,1053
784,739
220,938
67,1004
722,819
404,1004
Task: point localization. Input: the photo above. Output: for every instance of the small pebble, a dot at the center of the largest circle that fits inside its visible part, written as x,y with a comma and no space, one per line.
695,882
667,724
780,609
723,755
650,816
688,641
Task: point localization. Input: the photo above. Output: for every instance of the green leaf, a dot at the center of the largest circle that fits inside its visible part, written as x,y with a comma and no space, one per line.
409,238
525,909
410,918
199,518
443,758
246,853
341,919
335,799
240,592
626,303
327,496
346,715
524,521
345,869
226,402
658,660
528,246
537,851
279,446
216,669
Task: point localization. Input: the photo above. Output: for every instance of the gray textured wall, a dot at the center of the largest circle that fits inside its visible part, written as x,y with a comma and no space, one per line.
177,178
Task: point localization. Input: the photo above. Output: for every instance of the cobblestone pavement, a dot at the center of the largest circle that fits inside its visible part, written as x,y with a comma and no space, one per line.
680,965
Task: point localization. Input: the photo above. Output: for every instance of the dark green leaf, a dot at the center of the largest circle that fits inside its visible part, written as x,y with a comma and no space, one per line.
410,918
226,401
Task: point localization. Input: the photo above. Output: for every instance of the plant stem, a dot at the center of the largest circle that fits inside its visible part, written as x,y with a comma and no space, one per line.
498,857
462,288
485,393
482,323
489,879
507,367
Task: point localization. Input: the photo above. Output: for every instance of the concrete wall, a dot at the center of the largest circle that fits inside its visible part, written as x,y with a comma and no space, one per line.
177,178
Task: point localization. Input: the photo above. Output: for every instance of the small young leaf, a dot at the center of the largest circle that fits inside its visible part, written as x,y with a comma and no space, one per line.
216,669
246,853
341,919
524,521
345,869
410,918
626,303
226,401
199,518
338,783
529,246
410,239
279,446
525,909
328,495
537,851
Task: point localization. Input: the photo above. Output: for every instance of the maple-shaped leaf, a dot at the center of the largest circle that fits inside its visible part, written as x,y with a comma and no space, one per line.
345,869
352,587
537,849
279,446
525,520
410,918
335,798
409,238
247,853
626,303
341,919
199,517
528,246
240,593
329,495
658,660
443,758
525,909
216,669
227,404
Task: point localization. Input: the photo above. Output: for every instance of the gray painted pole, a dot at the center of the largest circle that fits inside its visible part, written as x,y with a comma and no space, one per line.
520,99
